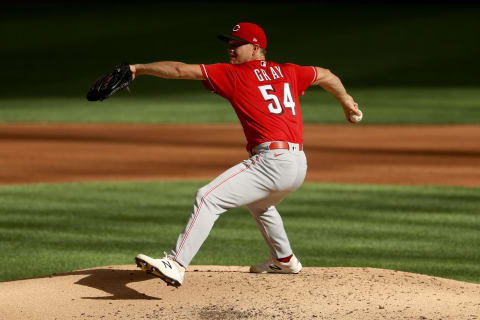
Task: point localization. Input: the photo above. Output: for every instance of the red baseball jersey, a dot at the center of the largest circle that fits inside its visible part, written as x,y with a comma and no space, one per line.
264,95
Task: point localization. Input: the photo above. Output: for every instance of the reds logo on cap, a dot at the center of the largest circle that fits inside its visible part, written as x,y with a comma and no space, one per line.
247,32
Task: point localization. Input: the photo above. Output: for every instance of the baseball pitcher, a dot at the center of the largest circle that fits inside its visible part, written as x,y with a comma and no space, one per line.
265,97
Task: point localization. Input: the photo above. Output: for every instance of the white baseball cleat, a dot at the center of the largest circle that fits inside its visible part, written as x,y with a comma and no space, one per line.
166,269
275,266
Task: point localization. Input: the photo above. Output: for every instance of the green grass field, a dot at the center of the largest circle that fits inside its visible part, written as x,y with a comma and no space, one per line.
62,227
380,106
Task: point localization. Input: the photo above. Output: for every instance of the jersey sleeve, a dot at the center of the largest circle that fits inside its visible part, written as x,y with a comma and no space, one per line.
219,78
305,76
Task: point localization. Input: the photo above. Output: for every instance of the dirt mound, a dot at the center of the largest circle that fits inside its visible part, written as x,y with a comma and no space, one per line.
218,292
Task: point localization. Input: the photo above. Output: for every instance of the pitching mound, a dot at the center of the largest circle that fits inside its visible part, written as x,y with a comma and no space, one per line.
218,292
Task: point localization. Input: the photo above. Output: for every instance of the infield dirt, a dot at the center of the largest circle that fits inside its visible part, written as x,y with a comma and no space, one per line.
411,155
426,155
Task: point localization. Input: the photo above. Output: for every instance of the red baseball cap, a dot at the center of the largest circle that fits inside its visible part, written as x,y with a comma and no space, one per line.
247,32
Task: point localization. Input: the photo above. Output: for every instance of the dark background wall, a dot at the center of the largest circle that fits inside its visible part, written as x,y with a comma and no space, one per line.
51,48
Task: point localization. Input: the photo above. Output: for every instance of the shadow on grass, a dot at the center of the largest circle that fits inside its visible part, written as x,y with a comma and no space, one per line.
113,282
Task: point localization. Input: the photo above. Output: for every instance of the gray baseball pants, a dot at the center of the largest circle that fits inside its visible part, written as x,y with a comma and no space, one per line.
260,183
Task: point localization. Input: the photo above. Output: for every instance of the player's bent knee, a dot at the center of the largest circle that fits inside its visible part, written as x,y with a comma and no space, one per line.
202,193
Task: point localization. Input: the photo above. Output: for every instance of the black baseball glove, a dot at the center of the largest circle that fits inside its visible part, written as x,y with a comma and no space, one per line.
107,85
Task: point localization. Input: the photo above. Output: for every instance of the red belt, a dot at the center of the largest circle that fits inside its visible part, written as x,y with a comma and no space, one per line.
278,145
282,145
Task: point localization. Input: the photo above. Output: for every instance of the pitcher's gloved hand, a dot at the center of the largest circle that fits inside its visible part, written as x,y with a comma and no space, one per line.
109,84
